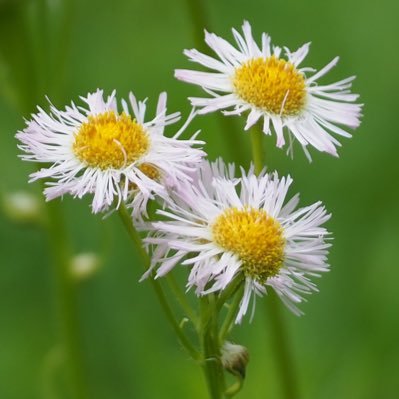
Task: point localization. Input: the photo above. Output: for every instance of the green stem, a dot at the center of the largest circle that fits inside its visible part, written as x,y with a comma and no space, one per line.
66,293
229,291
135,237
281,347
257,149
278,330
199,21
181,298
212,365
231,314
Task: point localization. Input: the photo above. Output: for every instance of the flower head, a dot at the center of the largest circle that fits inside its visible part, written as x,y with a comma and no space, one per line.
274,88
114,155
223,227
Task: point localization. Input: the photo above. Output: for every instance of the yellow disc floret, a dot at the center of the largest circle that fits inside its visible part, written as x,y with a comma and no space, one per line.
255,237
150,171
109,140
272,85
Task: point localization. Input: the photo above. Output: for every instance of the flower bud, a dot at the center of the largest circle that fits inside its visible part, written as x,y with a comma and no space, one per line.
235,358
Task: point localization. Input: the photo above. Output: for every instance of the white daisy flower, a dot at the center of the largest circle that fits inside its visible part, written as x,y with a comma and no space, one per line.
273,87
225,227
97,149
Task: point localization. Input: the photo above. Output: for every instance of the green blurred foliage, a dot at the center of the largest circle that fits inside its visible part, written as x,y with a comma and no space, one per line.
346,345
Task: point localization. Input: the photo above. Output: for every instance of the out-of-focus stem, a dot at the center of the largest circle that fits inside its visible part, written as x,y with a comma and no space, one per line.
33,23
200,22
280,343
66,297
198,15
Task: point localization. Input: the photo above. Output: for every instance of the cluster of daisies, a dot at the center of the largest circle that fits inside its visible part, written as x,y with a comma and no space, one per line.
220,224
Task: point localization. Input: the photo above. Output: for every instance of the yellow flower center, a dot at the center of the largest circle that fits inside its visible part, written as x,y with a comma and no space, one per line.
150,171
110,140
271,84
255,237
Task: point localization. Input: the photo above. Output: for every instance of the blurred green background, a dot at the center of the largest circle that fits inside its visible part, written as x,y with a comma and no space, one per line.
346,346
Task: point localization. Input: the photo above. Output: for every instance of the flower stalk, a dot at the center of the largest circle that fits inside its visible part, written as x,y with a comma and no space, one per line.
257,149
231,313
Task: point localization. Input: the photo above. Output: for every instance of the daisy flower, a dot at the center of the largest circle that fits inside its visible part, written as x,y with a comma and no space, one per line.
273,87
224,227
114,155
